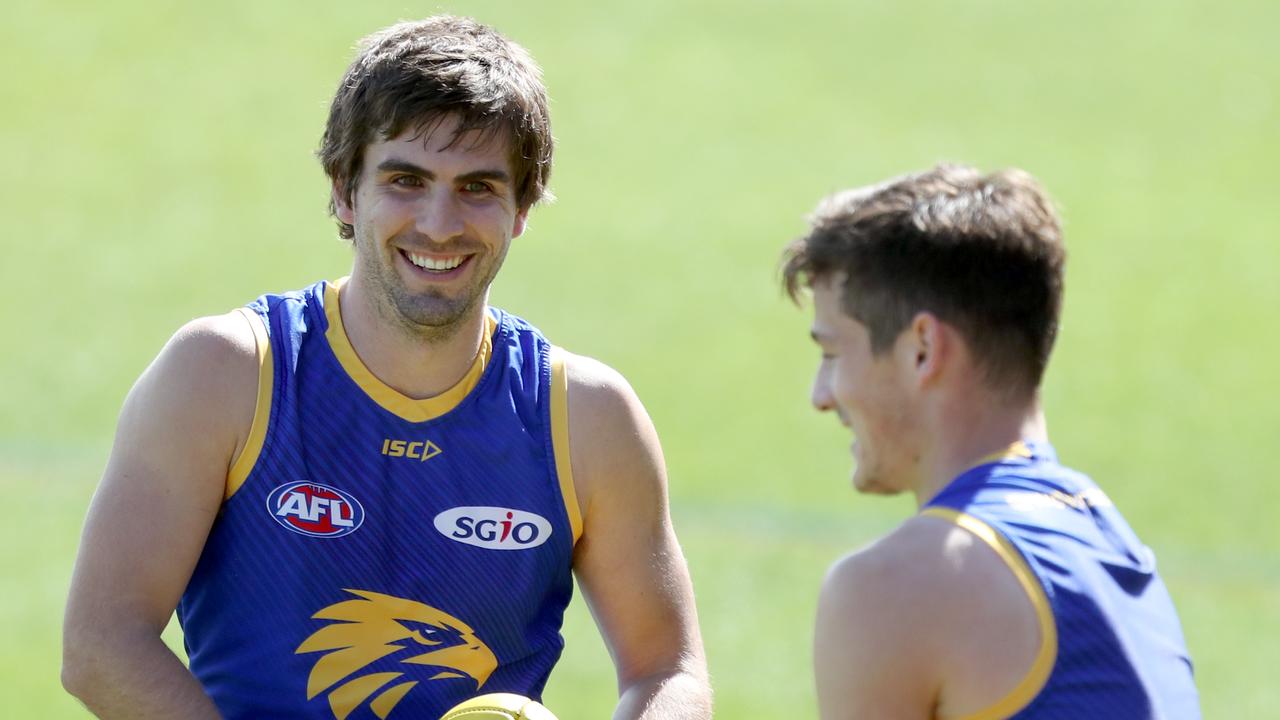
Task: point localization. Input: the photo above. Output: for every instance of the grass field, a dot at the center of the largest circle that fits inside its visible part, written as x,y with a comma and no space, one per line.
158,166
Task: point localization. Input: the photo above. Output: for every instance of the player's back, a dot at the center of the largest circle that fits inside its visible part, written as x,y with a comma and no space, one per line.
1112,646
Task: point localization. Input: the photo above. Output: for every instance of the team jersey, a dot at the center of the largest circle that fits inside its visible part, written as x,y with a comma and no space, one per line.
377,555
1111,644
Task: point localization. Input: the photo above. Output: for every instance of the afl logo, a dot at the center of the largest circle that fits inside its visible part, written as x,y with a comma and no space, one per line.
494,528
316,510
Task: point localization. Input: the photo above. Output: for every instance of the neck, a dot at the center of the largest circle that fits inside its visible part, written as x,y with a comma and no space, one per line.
417,364
968,432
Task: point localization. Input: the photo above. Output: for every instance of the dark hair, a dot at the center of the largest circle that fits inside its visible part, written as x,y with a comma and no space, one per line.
413,74
982,252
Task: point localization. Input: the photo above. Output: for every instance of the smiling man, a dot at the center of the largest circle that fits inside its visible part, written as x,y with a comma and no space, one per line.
368,498
1018,590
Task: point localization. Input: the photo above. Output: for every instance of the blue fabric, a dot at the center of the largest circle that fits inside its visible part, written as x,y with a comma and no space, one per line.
1121,652
338,557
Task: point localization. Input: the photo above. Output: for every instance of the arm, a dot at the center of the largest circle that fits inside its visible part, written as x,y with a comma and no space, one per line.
628,562
178,432
928,622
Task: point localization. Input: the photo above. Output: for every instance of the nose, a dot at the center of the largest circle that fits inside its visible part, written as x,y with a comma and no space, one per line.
440,217
820,394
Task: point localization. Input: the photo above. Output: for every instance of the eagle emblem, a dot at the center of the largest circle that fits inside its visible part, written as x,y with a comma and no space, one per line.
378,626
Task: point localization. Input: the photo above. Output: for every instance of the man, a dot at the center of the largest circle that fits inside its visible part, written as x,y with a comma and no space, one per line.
1018,589
365,498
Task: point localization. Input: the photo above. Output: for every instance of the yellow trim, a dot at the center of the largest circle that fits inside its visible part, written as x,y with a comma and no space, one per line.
1018,449
1033,682
560,439
248,456
388,397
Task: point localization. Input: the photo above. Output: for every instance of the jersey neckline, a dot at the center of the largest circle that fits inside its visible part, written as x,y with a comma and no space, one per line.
390,399
1022,452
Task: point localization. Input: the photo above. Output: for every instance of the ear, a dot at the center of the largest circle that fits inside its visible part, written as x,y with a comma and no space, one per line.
343,203
521,221
927,347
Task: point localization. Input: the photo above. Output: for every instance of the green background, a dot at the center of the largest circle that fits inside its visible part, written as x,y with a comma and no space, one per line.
157,165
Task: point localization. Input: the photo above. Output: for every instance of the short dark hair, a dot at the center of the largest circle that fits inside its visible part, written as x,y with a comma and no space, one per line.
413,74
982,252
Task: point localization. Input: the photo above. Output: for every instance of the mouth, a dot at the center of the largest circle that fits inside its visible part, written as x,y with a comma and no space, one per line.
436,266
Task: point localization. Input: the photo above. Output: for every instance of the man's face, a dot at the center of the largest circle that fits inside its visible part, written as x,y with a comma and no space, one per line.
867,392
433,220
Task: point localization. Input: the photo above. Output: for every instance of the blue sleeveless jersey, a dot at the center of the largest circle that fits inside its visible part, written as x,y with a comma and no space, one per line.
1112,646
380,556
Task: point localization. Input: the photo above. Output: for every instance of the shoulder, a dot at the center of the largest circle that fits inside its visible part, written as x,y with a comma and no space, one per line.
923,556
605,414
204,380
214,352
938,601
938,571
229,334
597,390
613,445
880,624
892,586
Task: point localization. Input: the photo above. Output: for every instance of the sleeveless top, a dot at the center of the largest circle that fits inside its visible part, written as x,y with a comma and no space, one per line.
1112,646
377,555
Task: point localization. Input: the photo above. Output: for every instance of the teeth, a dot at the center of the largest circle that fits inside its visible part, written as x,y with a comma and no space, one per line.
428,263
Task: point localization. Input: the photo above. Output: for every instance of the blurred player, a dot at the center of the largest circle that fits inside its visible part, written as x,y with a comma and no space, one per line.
366,498
1018,589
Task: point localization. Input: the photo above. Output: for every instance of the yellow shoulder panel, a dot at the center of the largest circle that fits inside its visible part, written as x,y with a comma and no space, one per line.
1033,682
261,412
560,439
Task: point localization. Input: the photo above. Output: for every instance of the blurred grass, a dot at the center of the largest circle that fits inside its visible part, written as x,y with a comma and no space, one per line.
158,167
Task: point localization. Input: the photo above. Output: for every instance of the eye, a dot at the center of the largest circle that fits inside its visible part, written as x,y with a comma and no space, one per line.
406,181
426,636
425,633
475,187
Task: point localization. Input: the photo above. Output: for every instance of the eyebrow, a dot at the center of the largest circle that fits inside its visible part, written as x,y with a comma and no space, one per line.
393,165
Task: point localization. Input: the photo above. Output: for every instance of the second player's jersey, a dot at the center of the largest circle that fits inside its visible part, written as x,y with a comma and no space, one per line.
1112,646
381,556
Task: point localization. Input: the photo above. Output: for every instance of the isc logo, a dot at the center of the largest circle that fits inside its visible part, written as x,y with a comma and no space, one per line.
494,528
315,510
420,451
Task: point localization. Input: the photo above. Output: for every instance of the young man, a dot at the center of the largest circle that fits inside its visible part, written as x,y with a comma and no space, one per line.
1018,589
365,498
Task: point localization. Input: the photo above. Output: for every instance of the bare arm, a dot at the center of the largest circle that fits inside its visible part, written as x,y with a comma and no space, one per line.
928,622
178,432
628,562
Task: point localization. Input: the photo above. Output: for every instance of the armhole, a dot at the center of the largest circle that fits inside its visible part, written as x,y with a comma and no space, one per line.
248,456
1034,681
560,439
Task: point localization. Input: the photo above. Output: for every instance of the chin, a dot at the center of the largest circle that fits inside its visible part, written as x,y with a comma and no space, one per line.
873,485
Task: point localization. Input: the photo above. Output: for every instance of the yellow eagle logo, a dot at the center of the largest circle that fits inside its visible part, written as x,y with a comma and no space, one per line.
377,626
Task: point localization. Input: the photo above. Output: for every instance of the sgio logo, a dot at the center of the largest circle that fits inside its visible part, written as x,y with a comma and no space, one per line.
316,510
494,528
421,451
